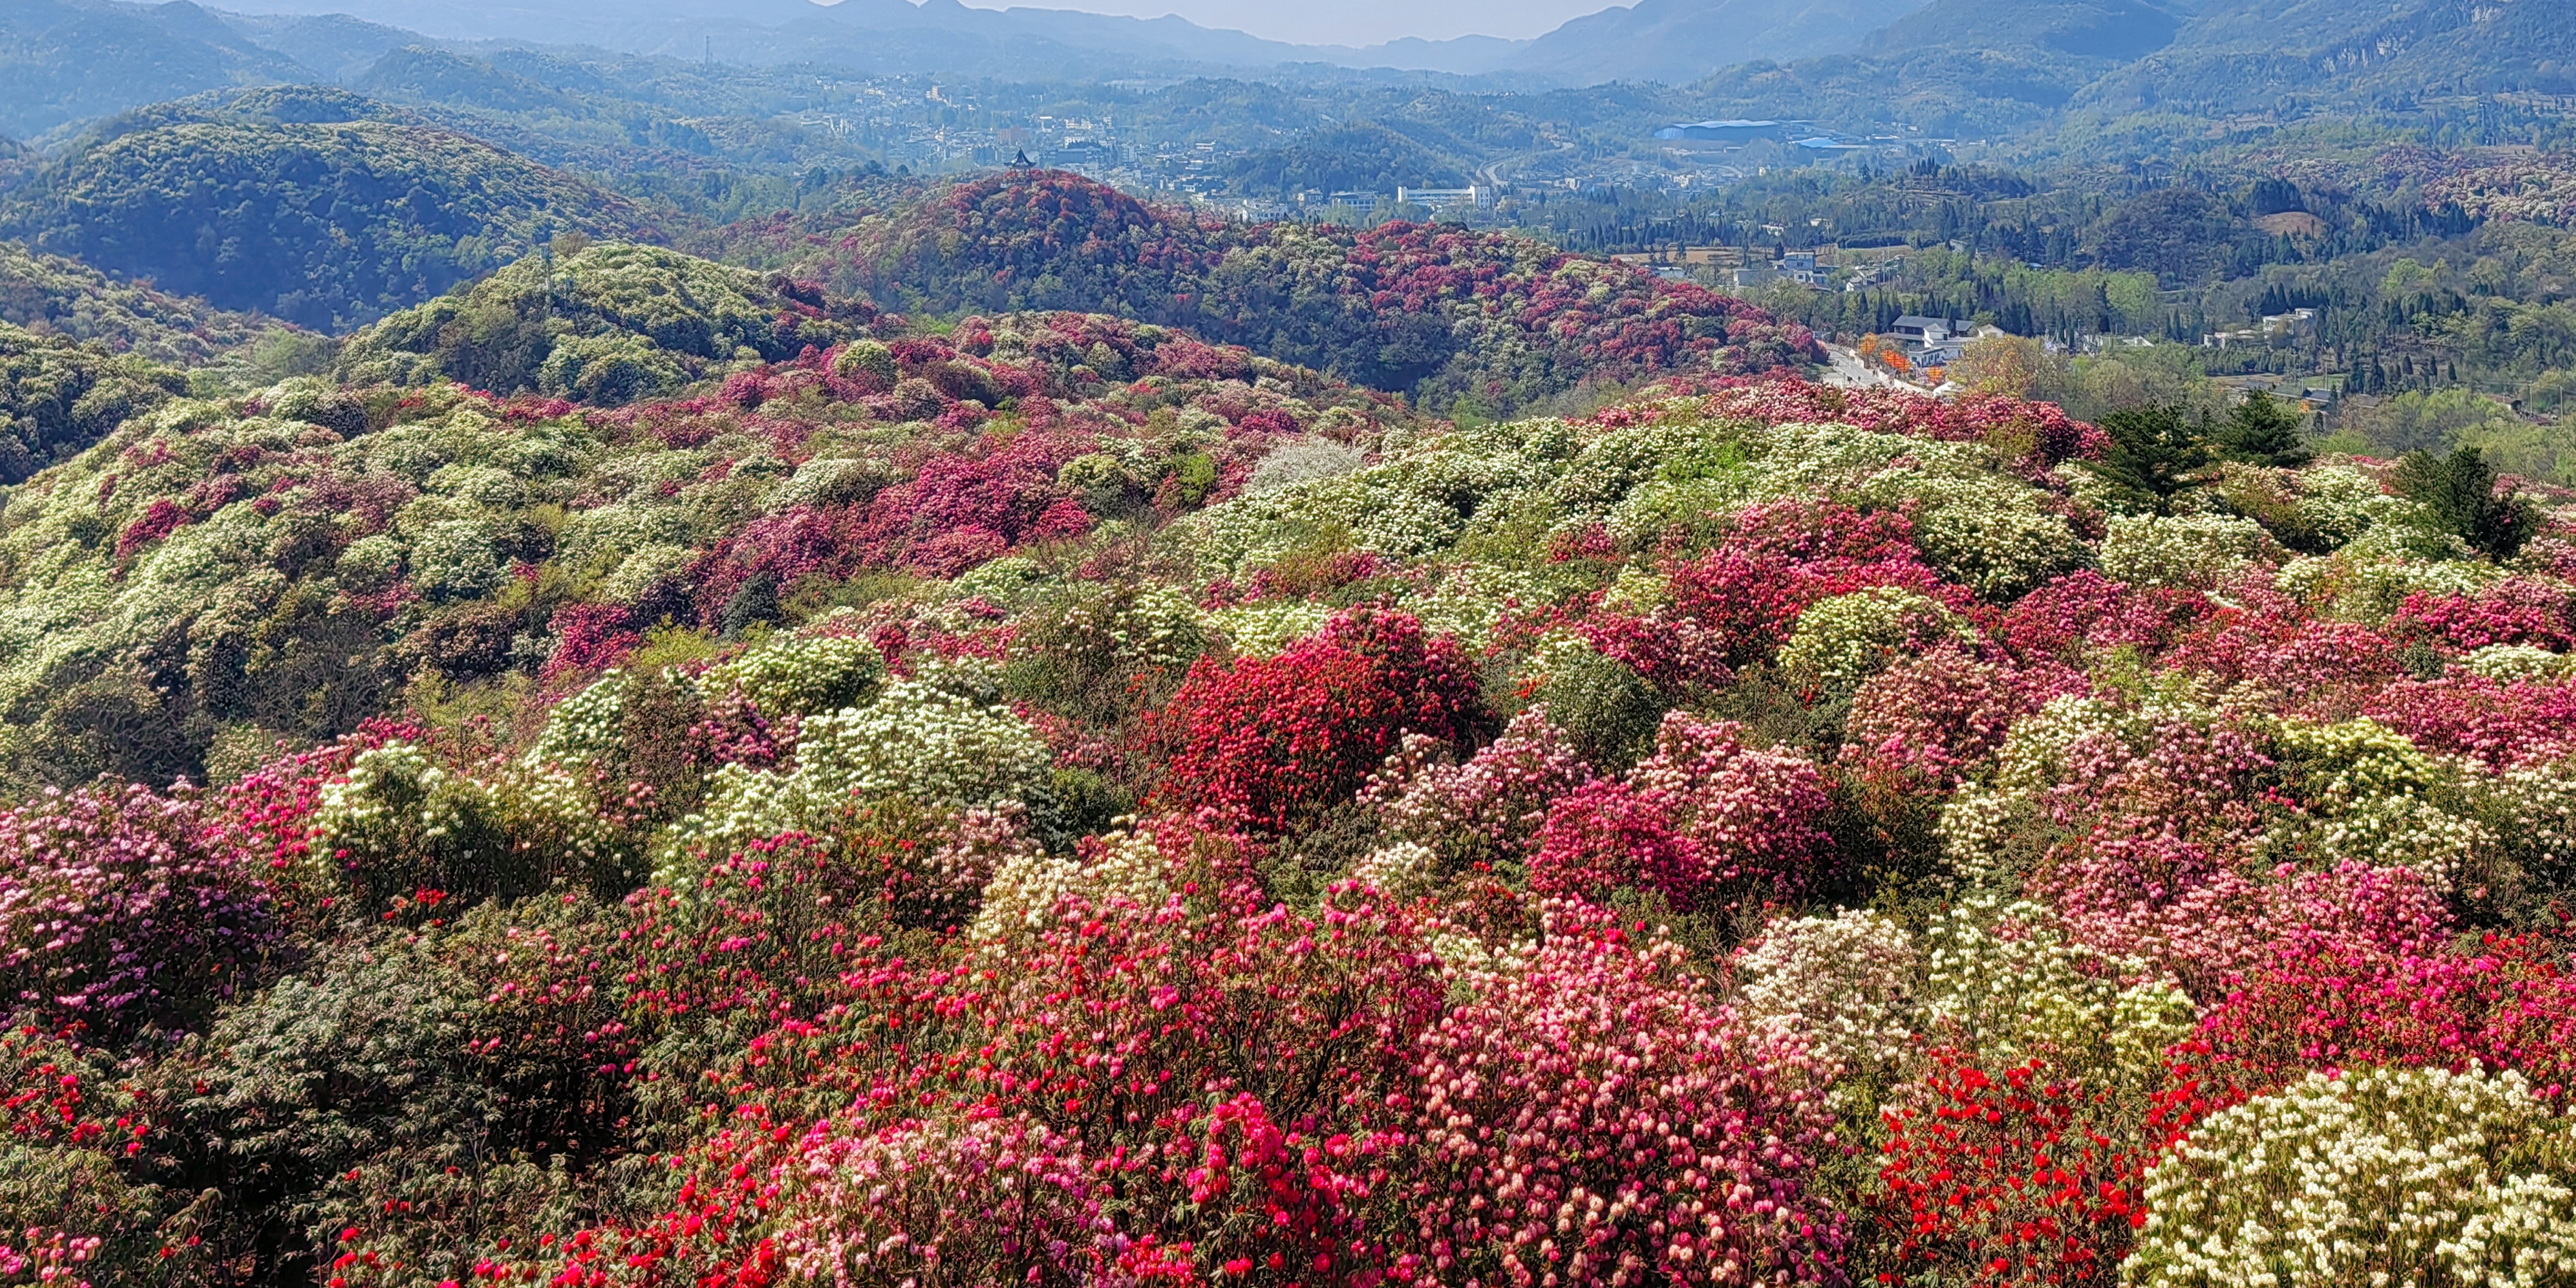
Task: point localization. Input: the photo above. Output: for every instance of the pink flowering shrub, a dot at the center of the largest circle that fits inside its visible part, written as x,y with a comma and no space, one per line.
2517,610
1706,822
2495,723
2084,614
2039,433
1736,604
1921,724
115,911
1644,1134
1495,805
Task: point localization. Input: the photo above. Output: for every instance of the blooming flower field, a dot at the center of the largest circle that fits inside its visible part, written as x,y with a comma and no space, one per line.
1063,802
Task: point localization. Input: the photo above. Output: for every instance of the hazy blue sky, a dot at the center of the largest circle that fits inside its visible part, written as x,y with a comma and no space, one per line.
1345,22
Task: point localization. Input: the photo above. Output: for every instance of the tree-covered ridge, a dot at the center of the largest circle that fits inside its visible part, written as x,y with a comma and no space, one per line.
58,397
1440,311
328,225
222,573
51,295
63,61
610,324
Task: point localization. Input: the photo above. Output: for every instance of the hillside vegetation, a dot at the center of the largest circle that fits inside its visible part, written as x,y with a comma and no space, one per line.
609,324
1061,800
327,224
1492,321
64,297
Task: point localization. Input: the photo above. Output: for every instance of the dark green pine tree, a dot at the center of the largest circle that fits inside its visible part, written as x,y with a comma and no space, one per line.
2458,493
2157,454
2263,430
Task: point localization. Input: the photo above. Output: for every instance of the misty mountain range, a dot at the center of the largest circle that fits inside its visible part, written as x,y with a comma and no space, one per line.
1802,56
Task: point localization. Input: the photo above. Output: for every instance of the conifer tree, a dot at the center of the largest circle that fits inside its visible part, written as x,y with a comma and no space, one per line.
2263,430
2157,454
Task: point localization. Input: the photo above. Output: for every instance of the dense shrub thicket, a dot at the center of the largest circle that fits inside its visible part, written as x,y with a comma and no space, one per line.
58,397
1064,802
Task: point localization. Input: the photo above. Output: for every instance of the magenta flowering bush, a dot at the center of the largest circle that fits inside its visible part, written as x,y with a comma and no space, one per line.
1706,822
117,911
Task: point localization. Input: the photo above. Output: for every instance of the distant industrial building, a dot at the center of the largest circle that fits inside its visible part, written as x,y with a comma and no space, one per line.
1444,198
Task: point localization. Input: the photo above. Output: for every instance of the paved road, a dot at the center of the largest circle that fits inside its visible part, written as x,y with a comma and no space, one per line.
1849,372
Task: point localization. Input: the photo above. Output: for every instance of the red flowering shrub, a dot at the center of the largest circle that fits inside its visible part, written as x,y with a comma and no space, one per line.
2022,1175
1269,737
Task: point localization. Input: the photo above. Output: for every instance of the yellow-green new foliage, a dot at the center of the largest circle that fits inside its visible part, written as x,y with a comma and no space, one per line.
612,324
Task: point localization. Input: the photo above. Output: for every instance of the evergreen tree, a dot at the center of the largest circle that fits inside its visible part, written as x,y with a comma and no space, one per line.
2459,495
2156,455
2263,430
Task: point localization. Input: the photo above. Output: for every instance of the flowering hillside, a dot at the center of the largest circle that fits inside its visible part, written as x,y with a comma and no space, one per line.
1062,802
1495,319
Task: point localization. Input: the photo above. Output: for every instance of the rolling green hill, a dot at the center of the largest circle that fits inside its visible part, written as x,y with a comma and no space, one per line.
328,224
611,324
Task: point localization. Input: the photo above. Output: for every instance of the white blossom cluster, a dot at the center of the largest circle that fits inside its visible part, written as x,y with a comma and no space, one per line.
2373,1176
2193,551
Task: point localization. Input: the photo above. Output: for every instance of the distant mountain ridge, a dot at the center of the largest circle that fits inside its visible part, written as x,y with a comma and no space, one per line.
1685,40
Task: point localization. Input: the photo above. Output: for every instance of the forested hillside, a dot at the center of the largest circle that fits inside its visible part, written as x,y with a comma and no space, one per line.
298,205
63,297
1490,321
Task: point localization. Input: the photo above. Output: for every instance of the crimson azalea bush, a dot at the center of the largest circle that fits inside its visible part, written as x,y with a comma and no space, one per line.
1267,737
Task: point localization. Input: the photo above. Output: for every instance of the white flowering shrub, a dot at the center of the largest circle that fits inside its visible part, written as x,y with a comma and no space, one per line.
2195,551
1304,461
2514,663
830,481
584,728
1266,628
1844,987
1982,530
1118,865
794,673
2372,797
1842,641
456,559
1010,582
2372,1176
2006,981
917,741
2341,503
